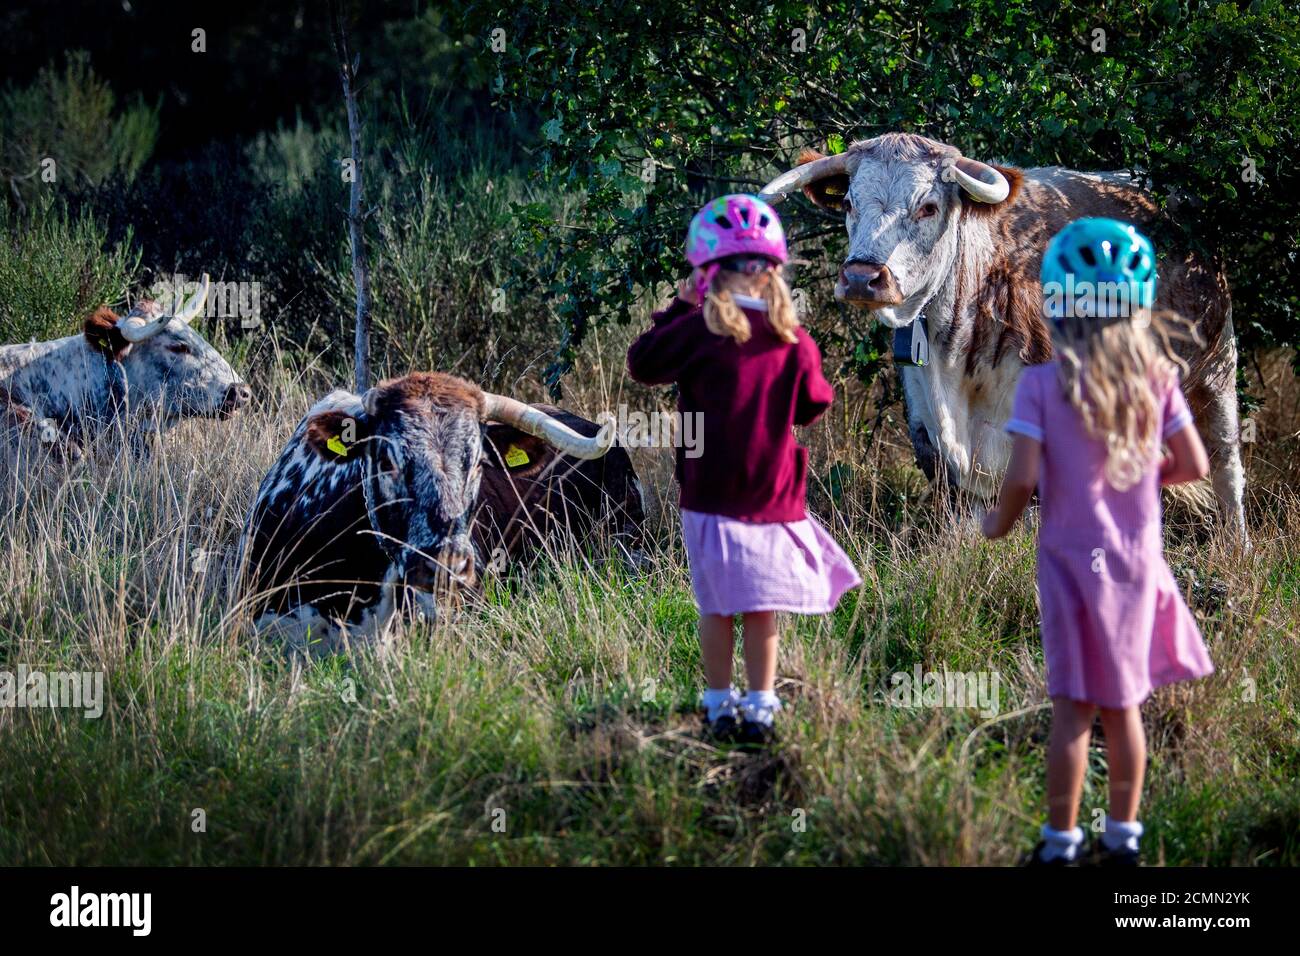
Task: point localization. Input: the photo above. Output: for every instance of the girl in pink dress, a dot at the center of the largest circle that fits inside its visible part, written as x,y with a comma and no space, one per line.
749,373
1088,429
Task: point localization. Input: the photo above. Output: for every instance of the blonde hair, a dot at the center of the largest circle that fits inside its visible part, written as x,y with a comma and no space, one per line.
1115,374
723,317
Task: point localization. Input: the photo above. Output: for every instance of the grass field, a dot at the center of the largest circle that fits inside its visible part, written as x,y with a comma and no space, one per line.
552,722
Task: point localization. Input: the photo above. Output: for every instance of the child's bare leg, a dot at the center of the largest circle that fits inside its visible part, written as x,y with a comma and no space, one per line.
717,647
760,649
1126,758
759,707
1067,759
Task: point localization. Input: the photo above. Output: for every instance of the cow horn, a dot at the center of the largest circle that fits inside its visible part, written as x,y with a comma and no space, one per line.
196,303
801,176
980,181
510,411
136,328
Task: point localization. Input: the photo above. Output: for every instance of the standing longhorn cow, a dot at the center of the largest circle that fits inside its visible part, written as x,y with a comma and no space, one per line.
148,362
951,247
414,485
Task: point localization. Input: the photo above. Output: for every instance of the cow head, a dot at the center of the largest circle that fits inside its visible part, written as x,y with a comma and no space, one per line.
419,443
171,371
903,197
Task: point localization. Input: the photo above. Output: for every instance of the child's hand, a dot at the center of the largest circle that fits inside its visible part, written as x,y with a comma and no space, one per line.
992,524
686,288
1017,487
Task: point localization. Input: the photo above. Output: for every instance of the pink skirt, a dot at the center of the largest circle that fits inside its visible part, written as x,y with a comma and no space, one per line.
740,566
1113,631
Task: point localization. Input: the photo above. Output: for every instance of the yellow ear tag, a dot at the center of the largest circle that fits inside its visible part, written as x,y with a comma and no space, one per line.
336,446
516,456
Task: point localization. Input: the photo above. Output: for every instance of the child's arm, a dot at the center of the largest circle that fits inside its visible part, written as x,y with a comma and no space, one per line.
1017,487
660,354
815,393
1186,460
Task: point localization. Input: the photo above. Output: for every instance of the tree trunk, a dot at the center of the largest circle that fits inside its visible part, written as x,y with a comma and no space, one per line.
356,211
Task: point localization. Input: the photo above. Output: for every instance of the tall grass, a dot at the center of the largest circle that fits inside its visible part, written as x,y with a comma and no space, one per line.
552,720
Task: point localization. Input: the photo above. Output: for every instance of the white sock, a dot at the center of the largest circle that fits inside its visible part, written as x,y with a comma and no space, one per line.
1121,833
760,706
1061,843
720,701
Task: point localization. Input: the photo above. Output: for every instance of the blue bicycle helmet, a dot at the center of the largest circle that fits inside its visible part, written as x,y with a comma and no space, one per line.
1098,268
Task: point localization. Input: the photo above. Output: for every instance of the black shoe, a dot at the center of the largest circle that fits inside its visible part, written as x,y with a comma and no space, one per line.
754,735
723,730
1101,855
1036,857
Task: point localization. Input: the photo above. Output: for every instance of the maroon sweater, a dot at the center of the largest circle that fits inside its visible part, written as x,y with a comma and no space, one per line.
750,396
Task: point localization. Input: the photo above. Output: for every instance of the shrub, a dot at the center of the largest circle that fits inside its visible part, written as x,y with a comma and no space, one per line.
1201,95
72,117
56,267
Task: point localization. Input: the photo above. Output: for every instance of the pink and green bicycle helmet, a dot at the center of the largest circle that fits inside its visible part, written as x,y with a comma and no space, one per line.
734,225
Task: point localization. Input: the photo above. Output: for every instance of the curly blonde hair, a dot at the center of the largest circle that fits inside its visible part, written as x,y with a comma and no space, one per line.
723,317
1115,372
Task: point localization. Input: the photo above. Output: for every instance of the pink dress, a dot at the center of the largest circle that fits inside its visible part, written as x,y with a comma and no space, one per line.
740,566
1114,624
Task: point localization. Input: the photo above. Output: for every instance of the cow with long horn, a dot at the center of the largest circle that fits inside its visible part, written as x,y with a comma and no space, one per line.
407,490
946,251
149,363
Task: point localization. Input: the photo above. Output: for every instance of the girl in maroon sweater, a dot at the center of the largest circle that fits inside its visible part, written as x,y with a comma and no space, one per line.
749,373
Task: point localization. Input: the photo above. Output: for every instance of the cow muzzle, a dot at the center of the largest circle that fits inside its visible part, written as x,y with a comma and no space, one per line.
237,396
868,284
454,567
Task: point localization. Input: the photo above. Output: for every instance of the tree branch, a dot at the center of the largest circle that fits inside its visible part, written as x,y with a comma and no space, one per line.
356,216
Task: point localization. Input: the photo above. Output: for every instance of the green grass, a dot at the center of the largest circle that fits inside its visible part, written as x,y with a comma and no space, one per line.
552,720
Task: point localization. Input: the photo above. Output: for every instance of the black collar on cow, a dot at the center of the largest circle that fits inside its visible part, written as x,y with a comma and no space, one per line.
912,343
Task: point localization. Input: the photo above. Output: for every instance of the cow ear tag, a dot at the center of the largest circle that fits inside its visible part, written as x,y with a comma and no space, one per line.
516,456
335,444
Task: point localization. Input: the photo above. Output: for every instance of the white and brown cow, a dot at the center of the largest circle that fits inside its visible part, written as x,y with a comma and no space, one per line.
382,500
148,365
958,242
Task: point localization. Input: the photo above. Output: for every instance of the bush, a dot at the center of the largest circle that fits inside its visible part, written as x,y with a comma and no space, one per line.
439,243
71,117
1197,94
55,268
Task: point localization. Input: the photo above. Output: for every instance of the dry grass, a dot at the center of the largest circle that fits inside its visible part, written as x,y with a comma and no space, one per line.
552,721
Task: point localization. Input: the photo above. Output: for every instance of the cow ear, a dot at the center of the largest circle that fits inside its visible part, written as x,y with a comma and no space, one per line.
829,192
336,436
519,453
103,334
1014,177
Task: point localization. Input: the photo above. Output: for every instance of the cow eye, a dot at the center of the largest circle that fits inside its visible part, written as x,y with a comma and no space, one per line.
386,461
180,348
927,210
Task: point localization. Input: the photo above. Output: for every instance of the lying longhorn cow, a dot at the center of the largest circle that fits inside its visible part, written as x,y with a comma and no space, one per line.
148,363
946,250
413,486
